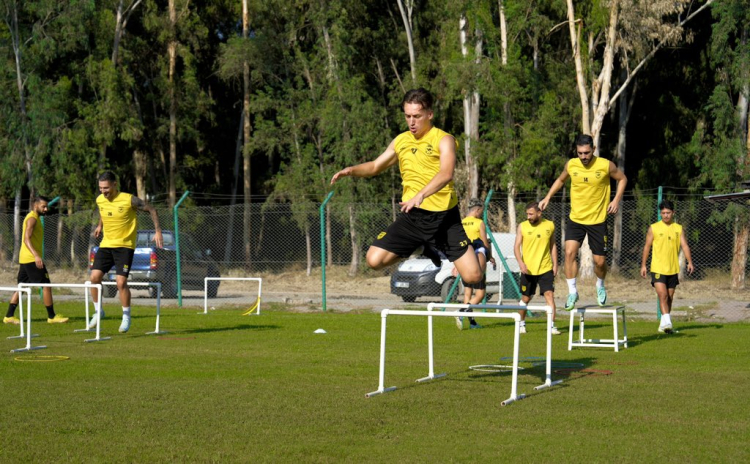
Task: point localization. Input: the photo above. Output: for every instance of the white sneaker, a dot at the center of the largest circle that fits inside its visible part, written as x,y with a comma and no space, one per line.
460,323
125,326
555,331
667,329
522,329
94,320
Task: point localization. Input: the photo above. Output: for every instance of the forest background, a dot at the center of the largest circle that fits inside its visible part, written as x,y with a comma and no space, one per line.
260,102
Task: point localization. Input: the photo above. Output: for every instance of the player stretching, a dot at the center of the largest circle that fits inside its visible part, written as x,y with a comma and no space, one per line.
33,269
665,239
589,204
118,224
536,252
429,207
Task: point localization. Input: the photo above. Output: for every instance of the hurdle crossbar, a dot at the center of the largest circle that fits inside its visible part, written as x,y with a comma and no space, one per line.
157,285
205,289
20,291
86,285
514,396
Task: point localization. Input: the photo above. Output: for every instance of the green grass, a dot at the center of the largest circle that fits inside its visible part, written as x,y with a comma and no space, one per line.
226,388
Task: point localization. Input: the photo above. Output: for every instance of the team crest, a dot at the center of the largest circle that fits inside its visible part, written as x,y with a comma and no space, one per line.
429,149
523,288
381,235
125,268
598,174
657,275
413,151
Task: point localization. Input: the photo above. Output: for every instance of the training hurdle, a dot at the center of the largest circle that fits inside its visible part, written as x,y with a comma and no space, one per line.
257,301
430,313
615,342
132,284
87,285
20,291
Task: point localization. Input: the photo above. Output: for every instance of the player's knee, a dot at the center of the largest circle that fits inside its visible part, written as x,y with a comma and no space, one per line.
374,262
472,277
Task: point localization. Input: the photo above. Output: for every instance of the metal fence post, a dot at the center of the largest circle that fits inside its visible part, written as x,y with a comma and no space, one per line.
177,247
323,246
497,248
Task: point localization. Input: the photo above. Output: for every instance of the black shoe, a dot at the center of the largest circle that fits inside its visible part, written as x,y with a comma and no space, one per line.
432,254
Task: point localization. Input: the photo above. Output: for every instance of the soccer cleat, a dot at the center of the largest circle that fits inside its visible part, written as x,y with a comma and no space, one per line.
601,296
125,326
11,320
570,304
58,319
522,329
475,326
667,329
555,331
460,323
94,320
429,252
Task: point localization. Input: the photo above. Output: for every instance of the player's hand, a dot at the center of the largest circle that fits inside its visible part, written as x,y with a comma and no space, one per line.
492,260
98,231
690,268
613,207
346,172
523,268
554,271
543,204
39,263
158,239
644,272
407,206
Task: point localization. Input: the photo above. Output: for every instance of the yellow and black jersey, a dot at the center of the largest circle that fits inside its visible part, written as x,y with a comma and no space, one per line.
589,191
665,248
536,246
119,221
472,227
37,237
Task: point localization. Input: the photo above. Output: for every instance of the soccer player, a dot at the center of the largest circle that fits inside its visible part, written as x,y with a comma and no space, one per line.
32,269
536,252
589,204
475,230
664,239
429,206
118,224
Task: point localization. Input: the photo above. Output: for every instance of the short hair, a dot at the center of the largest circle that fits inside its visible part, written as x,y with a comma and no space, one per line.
666,204
38,198
534,205
584,139
420,96
475,203
107,176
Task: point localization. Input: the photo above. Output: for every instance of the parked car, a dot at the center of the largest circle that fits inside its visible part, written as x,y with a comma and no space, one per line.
152,264
418,277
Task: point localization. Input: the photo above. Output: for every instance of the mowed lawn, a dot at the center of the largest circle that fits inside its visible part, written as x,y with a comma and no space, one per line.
226,388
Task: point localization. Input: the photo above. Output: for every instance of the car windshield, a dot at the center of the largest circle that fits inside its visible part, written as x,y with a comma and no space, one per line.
146,238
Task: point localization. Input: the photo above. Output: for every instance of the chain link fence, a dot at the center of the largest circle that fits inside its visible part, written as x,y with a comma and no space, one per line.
281,242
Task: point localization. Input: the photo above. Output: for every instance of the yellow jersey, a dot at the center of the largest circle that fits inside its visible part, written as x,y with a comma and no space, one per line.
419,162
589,190
118,220
665,248
472,227
537,246
37,237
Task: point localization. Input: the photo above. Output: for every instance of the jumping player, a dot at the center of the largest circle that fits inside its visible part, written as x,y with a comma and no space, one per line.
664,239
589,205
429,214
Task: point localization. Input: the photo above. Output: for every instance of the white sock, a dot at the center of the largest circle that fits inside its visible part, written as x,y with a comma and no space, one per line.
97,306
572,285
126,310
523,323
666,320
521,303
599,282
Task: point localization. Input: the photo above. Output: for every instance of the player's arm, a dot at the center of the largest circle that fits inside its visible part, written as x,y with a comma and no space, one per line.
99,225
371,168
553,255
441,179
556,186
646,250
617,174
686,250
141,205
30,224
517,250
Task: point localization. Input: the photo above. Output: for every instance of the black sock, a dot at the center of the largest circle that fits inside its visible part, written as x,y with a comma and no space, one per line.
51,311
11,309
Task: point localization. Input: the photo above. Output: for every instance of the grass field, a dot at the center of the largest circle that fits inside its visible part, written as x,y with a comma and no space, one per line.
227,388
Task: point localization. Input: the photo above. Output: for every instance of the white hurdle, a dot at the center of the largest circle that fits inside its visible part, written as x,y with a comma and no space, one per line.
20,291
87,285
205,289
134,284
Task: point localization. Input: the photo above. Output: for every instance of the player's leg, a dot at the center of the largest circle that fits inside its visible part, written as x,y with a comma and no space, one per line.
123,261
528,288
10,316
571,271
547,288
378,258
665,324
598,242
399,240
468,266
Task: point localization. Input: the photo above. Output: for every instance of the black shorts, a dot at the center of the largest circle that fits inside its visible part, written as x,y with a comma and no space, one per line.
670,280
597,235
440,229
28,273
481,285
120,258
545,282
479,247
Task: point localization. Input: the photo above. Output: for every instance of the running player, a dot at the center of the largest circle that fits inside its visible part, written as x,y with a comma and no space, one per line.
32,269
665,238
475,230
589,204
429,207
118,224
536,252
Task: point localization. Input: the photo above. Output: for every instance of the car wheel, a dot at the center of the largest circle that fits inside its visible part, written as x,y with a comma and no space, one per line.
109,291
409,298
446,288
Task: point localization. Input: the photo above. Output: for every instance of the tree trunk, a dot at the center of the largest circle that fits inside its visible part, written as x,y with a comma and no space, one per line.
247,236
626,105
575,43
603,84
73,234
410,41
17,225
471,112
308,248
60,232
3,244
140,169
235,180
356,253
739,256
512,213
172,52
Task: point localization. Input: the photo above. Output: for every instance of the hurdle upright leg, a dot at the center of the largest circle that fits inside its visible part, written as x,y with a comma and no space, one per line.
548,368
381,387
28,346
430,355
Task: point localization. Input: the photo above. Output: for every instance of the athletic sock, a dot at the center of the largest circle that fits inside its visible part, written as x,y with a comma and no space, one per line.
126,310
11,309
50,311
666,320
599,282
572,285
523,323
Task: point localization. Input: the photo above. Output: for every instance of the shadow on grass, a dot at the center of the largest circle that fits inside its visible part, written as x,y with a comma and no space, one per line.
682,332
227,329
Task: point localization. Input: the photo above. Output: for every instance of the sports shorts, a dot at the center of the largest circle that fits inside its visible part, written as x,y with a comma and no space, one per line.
670,280
28,273
440,229
545,282
120,258
597,235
